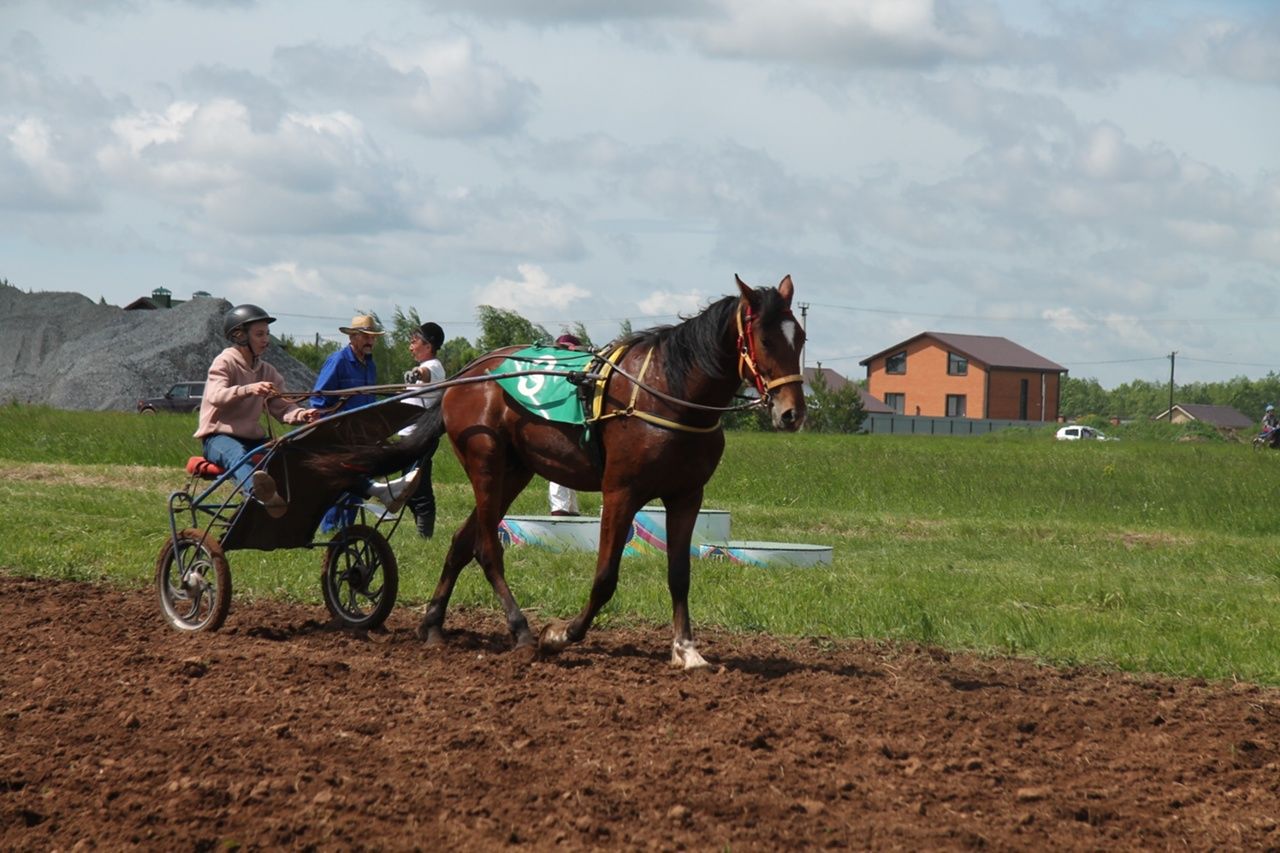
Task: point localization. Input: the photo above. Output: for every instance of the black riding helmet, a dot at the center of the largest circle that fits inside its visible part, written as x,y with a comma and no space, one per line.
241,316
431,333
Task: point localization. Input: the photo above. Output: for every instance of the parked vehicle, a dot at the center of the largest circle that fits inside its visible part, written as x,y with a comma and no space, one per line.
1078,432
181,397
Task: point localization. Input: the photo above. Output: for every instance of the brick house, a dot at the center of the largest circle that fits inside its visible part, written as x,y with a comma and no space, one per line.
938,374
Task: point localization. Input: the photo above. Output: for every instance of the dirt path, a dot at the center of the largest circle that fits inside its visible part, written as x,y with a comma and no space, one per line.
279,732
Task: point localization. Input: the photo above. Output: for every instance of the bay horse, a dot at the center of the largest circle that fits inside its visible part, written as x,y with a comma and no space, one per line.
659,438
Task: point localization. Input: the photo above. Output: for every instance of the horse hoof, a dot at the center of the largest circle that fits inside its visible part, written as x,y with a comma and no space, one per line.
525,652
553,639
684,655
430,634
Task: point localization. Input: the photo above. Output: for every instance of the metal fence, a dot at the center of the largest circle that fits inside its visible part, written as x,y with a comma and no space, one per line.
917,425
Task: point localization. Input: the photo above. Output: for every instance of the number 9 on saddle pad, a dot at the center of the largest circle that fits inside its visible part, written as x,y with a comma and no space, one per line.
549,396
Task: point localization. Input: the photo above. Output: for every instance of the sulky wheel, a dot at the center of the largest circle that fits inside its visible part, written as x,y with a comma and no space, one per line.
196,595
359,579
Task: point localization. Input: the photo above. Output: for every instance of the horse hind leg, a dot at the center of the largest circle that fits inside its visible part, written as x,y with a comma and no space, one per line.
488,551
461,550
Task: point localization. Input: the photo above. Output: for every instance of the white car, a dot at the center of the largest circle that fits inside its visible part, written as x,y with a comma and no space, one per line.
1076,432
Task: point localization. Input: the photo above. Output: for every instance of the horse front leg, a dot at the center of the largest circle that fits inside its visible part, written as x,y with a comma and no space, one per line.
682,516
616,515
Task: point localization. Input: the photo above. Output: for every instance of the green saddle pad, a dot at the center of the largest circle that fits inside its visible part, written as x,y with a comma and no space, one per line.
552,398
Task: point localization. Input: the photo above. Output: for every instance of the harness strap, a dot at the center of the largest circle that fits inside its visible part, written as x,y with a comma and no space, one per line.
597,405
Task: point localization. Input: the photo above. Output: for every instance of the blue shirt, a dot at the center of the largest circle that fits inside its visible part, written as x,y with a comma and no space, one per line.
343,370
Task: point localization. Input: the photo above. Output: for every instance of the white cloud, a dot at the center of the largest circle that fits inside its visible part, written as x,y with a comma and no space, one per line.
35,175
285,283
1064,320
439,87
661,303
856,33
534,293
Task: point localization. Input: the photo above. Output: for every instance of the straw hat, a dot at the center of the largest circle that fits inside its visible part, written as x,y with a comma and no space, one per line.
364,324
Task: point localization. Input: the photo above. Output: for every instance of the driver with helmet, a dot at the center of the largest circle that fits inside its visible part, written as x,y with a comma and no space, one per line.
1269,420
239,386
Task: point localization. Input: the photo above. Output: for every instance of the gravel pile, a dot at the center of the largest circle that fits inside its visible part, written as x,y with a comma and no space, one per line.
64,350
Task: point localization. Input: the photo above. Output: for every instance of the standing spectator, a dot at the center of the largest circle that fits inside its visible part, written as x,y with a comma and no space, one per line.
564,500
352,367
238,387
424,344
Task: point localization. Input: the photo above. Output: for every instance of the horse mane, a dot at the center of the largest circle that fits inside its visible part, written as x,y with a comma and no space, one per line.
697,342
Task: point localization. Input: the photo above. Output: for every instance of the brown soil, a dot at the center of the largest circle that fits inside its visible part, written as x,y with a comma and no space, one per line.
281,732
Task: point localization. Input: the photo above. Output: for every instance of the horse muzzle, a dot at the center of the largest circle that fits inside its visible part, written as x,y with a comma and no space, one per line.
788,415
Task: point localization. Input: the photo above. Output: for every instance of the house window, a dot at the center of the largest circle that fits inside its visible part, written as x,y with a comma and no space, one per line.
896,363
957,365
955,406
897,402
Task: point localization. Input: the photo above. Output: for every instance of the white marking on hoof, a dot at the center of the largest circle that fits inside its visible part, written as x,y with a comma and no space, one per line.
554,638
684,655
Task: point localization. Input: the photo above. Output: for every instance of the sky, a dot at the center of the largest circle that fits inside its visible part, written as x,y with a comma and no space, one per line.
1097,181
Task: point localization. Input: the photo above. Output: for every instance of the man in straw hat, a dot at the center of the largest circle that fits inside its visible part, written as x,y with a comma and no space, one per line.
350,367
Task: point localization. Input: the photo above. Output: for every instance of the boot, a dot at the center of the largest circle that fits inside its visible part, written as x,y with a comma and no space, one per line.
264,491
426,524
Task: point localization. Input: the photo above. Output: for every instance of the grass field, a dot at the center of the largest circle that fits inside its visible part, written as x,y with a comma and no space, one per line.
1146,555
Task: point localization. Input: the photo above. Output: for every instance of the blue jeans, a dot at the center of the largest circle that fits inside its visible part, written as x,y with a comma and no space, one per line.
226,450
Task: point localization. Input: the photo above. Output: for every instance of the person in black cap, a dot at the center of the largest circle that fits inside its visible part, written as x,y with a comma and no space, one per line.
424,343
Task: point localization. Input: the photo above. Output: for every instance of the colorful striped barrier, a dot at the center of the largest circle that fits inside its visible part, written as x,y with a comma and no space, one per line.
649,530
766,554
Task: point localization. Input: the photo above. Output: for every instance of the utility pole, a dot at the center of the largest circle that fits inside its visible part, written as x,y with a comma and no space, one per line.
804,324
1171,355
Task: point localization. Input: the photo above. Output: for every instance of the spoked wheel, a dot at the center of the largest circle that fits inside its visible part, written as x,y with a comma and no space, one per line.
360,579
195,591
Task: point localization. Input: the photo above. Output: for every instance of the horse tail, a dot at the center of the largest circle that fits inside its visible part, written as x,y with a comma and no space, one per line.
361,462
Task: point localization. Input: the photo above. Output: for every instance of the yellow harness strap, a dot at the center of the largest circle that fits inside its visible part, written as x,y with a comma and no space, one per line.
597,404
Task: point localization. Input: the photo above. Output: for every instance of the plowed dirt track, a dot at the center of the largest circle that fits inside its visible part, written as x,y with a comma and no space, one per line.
281,732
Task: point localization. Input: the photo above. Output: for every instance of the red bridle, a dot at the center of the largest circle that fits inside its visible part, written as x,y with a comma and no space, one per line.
747,355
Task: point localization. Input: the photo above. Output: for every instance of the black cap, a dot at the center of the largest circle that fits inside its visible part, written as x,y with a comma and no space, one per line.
431,333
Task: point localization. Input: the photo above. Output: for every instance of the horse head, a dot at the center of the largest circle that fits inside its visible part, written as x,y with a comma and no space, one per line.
770,341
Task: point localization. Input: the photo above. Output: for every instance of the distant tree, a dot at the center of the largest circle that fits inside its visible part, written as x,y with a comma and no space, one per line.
624,329
396,354
1080,397
457,354
1141,398
828,410
500,327
312,354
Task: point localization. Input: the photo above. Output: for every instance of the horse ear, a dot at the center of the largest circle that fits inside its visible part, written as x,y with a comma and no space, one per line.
748,293
786,290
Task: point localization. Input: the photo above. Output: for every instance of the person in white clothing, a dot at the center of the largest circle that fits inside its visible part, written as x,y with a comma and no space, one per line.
564,500
424,343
